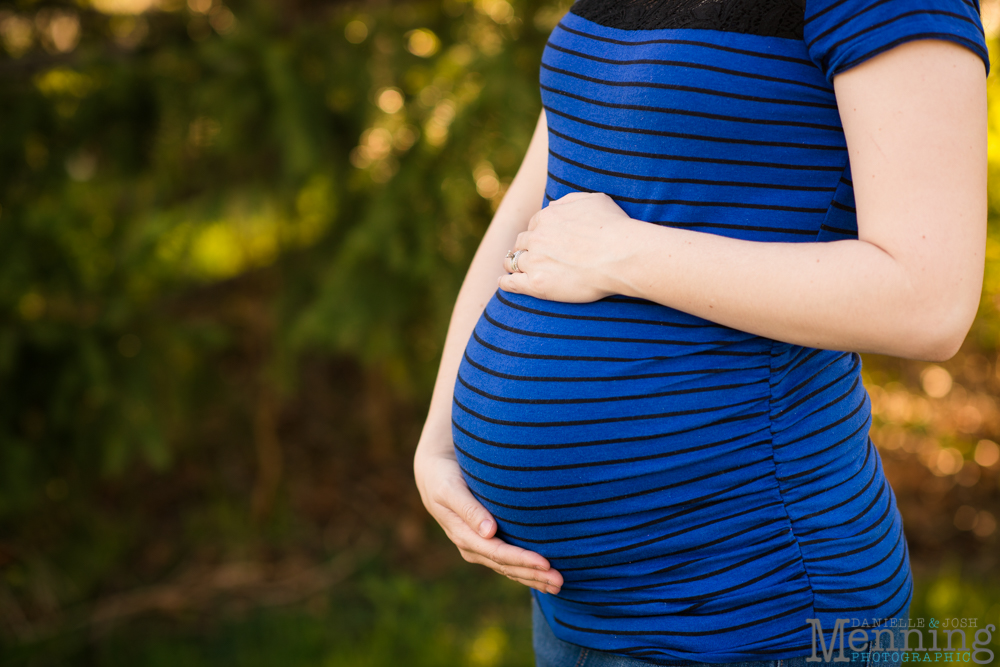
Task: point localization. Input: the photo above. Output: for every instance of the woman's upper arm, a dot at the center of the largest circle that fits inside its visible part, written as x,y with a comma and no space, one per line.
914,117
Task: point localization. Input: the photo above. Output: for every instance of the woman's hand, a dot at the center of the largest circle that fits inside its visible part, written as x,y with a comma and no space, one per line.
469,525
571,250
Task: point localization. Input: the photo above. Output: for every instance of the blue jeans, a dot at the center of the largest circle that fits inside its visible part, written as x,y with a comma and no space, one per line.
550,651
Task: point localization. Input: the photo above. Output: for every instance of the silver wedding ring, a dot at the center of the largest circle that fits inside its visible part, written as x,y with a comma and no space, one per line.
513,261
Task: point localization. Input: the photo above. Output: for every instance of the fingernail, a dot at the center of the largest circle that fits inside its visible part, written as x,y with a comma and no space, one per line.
484,527
553,590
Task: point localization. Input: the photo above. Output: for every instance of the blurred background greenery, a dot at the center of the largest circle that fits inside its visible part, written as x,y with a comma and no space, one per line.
230,239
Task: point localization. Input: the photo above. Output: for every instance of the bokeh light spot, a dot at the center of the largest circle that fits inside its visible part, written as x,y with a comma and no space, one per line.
487,183
60,30
986,524
222,20
356,31
17,35
987,453
390,100
422,42
948,462
199,6
488,647
123,6
500,11
936,381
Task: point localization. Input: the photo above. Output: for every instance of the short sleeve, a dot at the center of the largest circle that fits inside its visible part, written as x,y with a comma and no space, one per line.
843,33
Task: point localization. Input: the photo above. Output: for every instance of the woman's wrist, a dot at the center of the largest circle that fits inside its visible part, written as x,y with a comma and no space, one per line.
435,438
622,272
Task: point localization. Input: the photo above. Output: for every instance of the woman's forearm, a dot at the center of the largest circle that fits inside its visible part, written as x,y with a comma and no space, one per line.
523,198
847,295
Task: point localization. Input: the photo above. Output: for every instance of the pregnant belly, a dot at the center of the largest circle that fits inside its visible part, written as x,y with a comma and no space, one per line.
619,435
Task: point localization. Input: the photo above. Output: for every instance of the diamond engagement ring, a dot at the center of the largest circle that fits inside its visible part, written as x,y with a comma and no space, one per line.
513,261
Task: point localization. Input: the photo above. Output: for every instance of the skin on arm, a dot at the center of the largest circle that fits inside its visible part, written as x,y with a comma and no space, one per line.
442,488
909,286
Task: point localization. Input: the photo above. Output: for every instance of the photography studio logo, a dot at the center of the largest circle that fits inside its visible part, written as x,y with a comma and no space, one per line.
875,641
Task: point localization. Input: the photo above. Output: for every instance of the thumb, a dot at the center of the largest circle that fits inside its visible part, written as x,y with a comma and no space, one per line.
463,503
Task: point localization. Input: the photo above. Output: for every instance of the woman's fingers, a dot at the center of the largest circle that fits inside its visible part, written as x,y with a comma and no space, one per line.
491,549
513,282
506,554
570,198
502,558
511,561
548,582
471,527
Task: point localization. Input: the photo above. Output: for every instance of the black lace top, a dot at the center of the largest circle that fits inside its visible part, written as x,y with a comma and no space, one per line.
770,18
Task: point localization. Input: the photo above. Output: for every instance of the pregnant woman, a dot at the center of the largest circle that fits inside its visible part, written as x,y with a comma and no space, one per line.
649,407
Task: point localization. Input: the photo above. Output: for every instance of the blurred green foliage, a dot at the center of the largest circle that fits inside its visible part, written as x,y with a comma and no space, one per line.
231,235
137,167
158,154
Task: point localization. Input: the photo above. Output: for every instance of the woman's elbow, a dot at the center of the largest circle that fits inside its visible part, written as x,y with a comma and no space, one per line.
940,349
939,332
